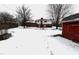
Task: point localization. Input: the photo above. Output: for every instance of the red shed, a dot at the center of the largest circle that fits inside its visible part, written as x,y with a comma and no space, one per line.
70,27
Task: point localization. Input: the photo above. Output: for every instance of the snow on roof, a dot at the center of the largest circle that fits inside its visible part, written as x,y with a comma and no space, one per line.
74,17
71,20
44,20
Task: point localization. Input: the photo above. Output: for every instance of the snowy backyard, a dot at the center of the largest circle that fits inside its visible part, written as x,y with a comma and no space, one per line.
37,42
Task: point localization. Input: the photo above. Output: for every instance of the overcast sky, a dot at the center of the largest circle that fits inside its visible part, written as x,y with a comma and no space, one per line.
37,10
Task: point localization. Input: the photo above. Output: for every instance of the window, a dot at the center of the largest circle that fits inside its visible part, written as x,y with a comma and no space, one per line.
45,21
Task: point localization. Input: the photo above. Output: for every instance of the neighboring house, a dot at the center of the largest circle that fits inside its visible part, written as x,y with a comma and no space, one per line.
70,27
31,23
44,22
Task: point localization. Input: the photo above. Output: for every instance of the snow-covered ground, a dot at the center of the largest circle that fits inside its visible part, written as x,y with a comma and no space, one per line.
37,42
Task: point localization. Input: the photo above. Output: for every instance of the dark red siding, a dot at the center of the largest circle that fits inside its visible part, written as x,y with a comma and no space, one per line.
71,30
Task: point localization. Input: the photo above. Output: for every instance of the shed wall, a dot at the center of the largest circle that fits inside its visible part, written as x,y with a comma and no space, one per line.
70,30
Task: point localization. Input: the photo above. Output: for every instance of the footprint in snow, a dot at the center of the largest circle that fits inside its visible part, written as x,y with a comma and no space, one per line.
1,53
16,46
51,53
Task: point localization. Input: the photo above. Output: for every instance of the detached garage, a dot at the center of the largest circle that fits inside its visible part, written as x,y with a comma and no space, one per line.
70,27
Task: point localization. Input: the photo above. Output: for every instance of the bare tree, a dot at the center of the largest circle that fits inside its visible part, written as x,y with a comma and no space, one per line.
59,11
5,19
23,14
4,16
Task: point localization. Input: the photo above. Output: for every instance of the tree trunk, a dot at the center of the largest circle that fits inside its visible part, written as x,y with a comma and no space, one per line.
24,23
57,25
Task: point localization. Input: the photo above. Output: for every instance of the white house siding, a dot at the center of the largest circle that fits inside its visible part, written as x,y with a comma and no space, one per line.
31,21
47,22
39,22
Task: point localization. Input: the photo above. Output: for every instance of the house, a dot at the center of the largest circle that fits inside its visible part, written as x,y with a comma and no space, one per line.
44,22
70,27
31,23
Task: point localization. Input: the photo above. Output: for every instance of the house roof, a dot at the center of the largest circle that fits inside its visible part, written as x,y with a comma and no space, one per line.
74,17
43,20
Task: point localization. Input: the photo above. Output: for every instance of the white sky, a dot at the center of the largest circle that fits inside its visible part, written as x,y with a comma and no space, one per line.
37,10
